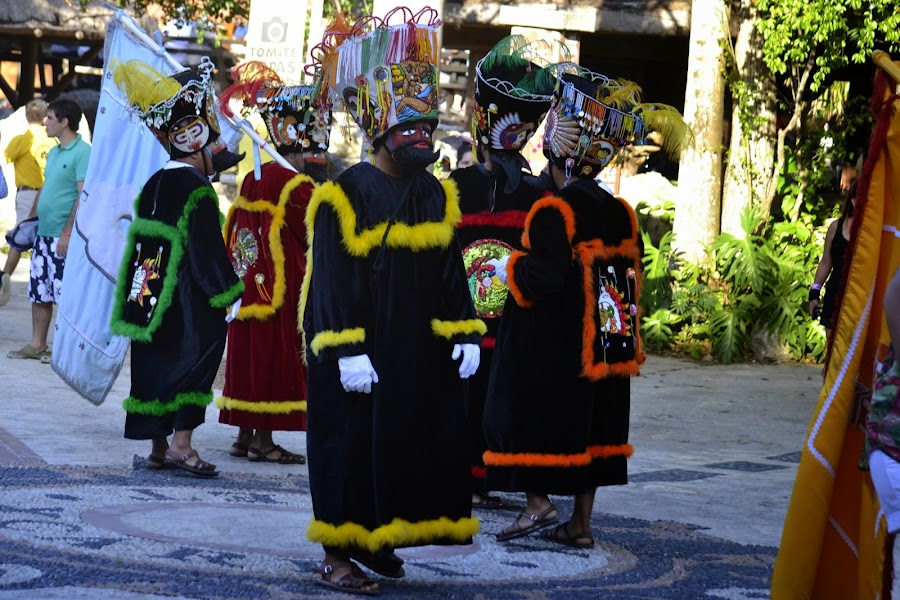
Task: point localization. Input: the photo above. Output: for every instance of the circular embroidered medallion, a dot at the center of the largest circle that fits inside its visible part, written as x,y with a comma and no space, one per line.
244,252
488,292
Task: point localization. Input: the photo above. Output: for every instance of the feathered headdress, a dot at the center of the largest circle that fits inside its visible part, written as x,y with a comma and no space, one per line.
593,116
513,90
294,122
383,71
179,109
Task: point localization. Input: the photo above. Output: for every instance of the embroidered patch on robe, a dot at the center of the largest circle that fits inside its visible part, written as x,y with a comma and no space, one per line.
488,292
150,277
611,345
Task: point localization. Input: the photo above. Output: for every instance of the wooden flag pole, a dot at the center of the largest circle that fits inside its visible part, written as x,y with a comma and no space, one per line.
883,60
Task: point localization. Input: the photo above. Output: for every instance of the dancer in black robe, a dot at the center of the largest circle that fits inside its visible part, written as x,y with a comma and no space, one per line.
176,283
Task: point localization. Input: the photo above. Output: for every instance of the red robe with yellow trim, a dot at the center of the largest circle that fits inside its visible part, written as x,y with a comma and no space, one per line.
387,469
265,378
491,227
556,419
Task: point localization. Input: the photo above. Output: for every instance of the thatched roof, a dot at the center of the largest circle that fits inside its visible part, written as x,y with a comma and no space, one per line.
53,19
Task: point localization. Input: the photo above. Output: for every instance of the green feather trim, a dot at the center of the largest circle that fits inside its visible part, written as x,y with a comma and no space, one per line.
229,296
145,227
157,408
515,53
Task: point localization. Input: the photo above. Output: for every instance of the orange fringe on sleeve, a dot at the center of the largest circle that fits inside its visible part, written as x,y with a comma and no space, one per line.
514,288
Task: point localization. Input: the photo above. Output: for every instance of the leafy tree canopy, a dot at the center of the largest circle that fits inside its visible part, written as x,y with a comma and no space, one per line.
826,35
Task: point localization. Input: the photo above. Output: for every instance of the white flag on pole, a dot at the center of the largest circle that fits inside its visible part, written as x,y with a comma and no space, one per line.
123,157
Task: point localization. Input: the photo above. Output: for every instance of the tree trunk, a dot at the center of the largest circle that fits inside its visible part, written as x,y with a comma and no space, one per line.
800,81
751,156
700,172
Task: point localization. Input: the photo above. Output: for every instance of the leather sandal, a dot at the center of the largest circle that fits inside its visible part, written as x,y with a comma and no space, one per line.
560,534
384,562
486,501
239,449
28,351
200,468
156,462
352,581
538,521
284,457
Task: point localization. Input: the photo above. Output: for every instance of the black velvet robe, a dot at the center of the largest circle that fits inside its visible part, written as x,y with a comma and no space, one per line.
178,328
557,412
387,469
490,215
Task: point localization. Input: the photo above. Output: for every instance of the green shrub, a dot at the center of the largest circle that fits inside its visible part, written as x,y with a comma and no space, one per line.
756,282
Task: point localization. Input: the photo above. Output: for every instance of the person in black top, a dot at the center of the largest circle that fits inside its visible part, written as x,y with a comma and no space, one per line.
386,316
830,272
512,96
176,286
558,401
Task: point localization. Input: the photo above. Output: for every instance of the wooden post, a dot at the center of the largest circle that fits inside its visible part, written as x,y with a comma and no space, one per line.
27,68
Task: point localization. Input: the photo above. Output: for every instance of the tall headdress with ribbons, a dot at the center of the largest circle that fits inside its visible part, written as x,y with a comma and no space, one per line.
294,121
179,109
383,70
592,117
513,90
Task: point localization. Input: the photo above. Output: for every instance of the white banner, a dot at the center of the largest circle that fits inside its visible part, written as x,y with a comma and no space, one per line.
123,157
275,36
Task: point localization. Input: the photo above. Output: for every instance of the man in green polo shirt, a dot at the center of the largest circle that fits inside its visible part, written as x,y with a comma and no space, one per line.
55,208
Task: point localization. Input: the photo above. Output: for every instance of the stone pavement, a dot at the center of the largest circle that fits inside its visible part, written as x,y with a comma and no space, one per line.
716,451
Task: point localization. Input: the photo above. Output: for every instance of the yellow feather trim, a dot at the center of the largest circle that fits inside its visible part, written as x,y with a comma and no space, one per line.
622,94
330,339
304,294
269,407
665,119
416,237
397,534
261,312
143,85
449,329
421,236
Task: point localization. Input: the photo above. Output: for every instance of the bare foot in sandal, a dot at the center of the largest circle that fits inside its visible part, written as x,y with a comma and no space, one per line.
157,458
191,462
264,449
242,443
275,454
346,576
561,535
529,520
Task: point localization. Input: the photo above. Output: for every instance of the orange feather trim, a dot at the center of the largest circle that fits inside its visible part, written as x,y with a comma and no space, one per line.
514,288
555,203
587,252
626,450
533,459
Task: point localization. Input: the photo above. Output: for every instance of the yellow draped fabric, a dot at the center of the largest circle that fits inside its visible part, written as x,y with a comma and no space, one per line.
833,543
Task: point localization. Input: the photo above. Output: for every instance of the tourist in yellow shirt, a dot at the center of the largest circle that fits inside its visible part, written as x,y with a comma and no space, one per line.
28,154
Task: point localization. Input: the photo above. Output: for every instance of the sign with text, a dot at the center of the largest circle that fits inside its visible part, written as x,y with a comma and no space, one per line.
276,36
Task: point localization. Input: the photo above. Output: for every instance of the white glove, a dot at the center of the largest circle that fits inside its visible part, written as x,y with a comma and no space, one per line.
471,354
357,373
233,312
499,265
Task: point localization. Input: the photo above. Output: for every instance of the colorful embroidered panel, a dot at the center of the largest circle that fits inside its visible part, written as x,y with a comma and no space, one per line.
488,292
150,277
611,345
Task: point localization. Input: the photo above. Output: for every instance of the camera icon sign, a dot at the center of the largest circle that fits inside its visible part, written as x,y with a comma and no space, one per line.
274,30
